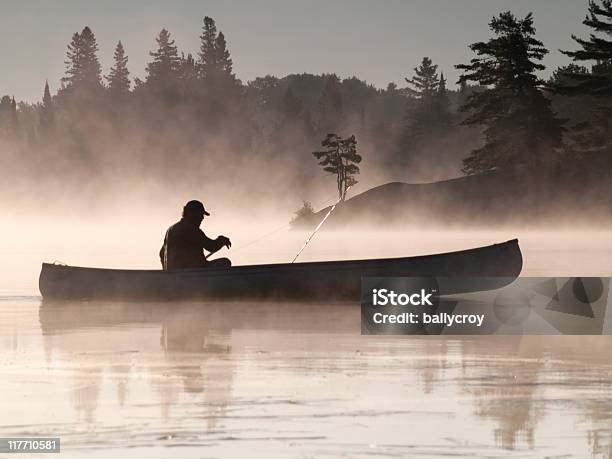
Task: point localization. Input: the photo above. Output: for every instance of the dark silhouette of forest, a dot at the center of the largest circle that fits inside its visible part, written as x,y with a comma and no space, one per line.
191,120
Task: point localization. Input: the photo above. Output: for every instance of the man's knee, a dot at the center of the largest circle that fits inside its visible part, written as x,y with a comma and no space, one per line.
219,263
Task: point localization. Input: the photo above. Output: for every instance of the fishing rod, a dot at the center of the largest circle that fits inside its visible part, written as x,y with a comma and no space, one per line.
320,225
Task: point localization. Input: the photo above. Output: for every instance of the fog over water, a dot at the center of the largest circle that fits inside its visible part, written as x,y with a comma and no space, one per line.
290,379
131,238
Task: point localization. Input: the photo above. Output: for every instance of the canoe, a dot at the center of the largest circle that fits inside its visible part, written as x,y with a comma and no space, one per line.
324,280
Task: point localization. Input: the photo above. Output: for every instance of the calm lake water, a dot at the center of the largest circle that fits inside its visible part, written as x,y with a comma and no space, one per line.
296,380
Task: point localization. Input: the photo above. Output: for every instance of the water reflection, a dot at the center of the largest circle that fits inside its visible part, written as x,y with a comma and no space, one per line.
507,390
206,369
195,340
85,392
522,380
301,374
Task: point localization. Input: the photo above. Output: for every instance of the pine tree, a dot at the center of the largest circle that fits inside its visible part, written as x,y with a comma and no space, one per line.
83,70
596,48
119,76
162,72
73,61
520,127
47,111
427,109
593,135
225,63
207,54
443,103
425,82
564,76
340,158
215,64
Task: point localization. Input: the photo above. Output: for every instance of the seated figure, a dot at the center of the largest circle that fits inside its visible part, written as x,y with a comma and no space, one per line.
185,242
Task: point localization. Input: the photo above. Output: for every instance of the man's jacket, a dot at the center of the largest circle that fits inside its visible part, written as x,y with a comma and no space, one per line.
184,246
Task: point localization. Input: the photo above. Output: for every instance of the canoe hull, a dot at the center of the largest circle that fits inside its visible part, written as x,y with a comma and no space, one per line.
334,280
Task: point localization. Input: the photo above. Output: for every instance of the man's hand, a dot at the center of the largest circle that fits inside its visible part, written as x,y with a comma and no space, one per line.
225,241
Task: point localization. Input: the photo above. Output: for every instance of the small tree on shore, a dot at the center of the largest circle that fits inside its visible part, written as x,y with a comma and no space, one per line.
340,158
304,213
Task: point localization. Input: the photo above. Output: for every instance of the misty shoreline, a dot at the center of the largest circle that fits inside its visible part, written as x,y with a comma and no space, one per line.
495,200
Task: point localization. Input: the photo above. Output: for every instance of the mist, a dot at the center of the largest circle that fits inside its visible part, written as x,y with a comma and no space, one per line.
95,172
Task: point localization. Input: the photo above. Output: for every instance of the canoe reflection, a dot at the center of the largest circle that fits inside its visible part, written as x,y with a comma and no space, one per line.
194,318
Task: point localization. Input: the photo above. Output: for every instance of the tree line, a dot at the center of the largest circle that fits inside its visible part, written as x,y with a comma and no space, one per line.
190,115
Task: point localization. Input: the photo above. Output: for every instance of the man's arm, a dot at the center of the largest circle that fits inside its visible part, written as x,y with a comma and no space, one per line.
213,245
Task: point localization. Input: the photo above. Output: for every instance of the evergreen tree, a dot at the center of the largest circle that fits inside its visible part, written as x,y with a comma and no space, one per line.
83,70
119,76
47,111
442,86
208,50
162,72
565,76
596,48
425,82
218,84
426,109
443,103
224,62
520,127
340,158
593,135
215,64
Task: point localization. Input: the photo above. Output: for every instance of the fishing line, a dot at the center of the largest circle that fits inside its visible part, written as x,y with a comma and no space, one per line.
261,237
319,225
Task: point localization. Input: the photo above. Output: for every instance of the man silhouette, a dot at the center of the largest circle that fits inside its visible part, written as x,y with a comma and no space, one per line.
185,242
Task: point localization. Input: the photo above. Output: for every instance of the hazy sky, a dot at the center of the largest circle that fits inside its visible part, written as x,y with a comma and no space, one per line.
379,41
